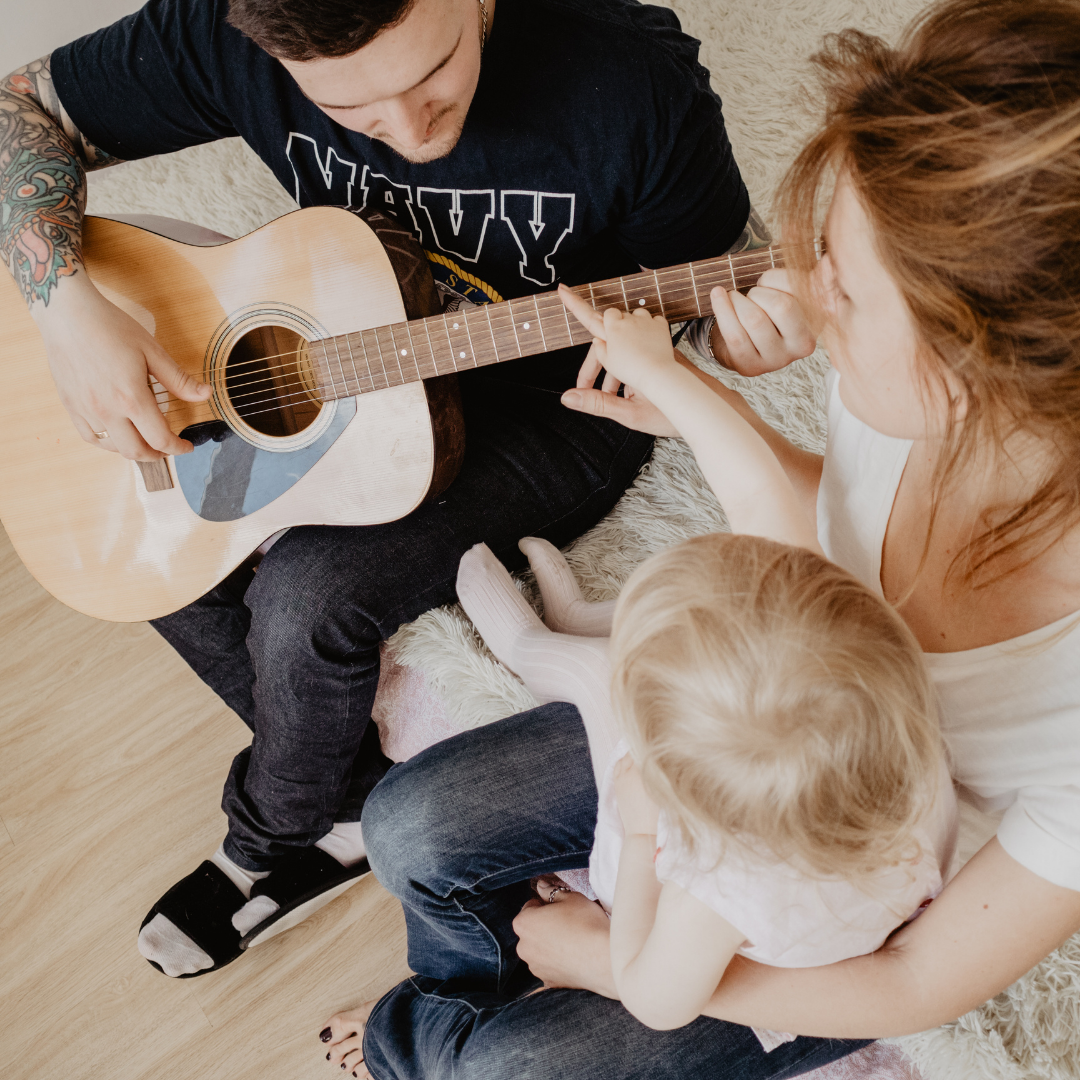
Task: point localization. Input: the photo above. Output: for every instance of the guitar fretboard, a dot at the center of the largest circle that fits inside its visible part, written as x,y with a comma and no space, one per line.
384,356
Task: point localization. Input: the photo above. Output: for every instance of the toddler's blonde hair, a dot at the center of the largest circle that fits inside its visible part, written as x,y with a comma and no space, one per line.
767,695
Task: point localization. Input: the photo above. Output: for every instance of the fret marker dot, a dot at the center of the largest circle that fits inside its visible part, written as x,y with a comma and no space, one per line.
404,352
526,325
462,355
455,326
641,303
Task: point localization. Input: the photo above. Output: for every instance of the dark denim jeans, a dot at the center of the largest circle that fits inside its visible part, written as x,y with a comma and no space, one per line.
294,647
455,833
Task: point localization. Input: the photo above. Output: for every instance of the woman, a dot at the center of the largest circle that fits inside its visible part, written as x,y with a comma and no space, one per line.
950,298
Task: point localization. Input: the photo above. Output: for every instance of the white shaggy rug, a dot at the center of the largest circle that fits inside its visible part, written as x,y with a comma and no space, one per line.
756,50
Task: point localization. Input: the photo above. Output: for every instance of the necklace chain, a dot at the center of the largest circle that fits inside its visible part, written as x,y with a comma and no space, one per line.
484,24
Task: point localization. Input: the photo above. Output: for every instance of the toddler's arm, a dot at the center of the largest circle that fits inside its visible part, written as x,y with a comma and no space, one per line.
738,463
668,950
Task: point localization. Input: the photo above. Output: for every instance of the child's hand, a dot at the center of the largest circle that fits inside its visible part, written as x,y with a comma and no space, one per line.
633,349
638,812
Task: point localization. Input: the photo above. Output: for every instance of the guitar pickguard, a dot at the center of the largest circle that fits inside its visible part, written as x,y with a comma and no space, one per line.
225,478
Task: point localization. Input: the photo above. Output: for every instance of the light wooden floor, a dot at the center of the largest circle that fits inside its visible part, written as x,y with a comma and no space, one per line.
112,759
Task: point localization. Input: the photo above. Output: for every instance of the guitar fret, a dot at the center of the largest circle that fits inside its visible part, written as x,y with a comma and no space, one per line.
540,322
513,326
772,259
397,353
412,350
472,348
367,362
446,329
659,295
382,358
697,298
491,331
352,362
731,267
430,347
622,285
344,381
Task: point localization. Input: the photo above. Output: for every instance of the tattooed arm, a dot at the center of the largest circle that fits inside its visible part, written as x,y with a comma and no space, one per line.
43,163
100,357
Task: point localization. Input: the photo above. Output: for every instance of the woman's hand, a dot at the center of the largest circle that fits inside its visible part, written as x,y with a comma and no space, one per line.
639,814
566,943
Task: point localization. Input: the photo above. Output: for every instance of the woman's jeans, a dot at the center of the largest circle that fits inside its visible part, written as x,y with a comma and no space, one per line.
294,648
456,833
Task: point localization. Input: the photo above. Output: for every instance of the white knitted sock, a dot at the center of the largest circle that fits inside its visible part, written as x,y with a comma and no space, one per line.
566,611
555,667
161,941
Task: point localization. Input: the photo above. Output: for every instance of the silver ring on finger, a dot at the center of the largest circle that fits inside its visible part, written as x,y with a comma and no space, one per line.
556,889
99,434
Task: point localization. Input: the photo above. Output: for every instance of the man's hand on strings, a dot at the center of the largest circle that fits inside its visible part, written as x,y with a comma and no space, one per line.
765,330
100,358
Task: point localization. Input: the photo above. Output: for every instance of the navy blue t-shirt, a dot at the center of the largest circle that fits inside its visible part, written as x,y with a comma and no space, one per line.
594,142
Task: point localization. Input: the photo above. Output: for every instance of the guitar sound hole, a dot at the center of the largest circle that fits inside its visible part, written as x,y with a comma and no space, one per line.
269,381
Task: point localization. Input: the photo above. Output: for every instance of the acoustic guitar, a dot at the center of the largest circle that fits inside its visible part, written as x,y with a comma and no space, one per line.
320,411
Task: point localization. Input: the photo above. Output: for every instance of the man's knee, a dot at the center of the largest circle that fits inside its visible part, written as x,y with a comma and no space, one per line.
301,615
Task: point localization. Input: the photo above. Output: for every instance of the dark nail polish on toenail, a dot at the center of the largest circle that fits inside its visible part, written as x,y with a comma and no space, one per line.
326,1034
327,1057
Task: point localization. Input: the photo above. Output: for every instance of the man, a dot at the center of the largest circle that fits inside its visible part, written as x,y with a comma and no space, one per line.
564,140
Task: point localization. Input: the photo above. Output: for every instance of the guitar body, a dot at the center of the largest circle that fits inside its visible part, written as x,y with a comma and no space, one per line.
83,520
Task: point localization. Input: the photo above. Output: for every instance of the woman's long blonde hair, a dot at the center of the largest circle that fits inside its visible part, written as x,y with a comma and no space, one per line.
768,695
962,145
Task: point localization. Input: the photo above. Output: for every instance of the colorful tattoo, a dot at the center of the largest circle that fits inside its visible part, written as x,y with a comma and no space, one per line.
42,183
755,234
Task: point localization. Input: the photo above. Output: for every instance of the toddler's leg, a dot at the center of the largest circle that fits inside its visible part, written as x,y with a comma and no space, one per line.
566,611
555,667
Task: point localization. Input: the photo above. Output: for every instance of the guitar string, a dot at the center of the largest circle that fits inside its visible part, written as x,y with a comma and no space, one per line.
279,402
550,311
720,273
298,396
715,273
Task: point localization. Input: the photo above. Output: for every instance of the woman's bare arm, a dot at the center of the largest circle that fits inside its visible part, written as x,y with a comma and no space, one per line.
994,922
739,464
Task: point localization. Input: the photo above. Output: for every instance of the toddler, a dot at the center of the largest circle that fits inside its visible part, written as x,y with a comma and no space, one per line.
771,777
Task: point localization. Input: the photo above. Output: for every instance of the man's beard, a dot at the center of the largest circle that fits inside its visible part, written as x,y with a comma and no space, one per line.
438,146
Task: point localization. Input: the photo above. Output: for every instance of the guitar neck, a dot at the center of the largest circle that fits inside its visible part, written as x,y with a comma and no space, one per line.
384,356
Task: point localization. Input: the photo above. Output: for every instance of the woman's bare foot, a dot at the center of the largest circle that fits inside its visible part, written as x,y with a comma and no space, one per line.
344,1037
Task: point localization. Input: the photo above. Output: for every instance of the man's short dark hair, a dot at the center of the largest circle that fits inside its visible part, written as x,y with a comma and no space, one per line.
311,29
